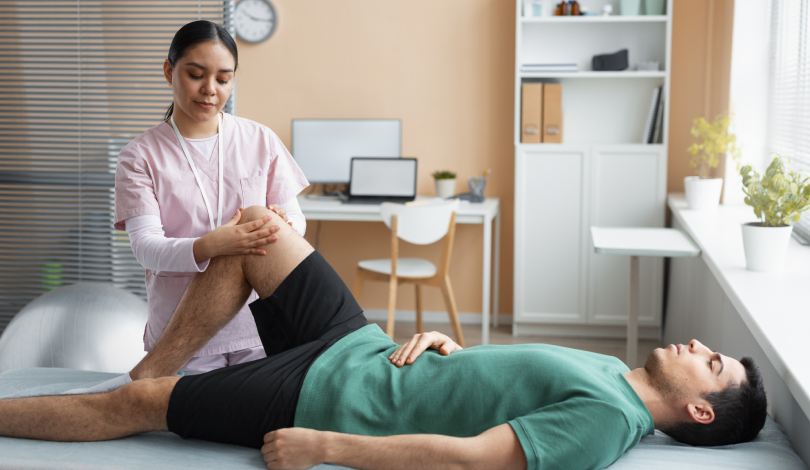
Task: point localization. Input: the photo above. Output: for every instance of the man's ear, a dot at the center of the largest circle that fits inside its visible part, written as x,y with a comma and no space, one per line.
700,413
167,71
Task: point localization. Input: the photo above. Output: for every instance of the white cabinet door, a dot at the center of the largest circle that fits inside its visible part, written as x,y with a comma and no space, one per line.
550,249
628,189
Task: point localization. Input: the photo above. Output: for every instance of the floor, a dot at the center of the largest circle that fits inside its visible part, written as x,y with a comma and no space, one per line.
503,335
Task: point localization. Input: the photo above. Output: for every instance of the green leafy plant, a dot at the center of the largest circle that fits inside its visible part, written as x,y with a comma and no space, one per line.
779,196
715,140
444,175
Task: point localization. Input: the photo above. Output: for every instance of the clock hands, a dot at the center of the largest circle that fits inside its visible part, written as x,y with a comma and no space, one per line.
269,20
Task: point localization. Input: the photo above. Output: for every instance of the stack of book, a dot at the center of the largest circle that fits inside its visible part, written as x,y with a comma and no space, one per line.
653,134
548,68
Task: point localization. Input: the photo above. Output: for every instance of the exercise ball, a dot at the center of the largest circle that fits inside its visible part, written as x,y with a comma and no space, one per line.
87,326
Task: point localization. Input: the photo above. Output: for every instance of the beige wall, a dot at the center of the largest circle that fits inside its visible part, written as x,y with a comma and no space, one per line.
446,68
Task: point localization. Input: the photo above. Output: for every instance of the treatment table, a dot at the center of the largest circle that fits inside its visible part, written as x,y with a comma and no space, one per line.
167,451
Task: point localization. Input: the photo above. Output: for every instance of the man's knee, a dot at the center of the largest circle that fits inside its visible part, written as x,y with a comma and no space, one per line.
252,213
142,405
145,394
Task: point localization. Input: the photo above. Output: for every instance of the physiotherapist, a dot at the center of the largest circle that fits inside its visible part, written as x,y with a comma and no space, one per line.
180,185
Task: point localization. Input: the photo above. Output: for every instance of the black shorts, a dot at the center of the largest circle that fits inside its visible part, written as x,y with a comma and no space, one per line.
309,312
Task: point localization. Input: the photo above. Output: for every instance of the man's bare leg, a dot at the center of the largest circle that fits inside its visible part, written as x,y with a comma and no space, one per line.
215,296
134,408
141,406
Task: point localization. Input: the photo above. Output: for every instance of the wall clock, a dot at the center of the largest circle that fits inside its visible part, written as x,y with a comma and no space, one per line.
255,20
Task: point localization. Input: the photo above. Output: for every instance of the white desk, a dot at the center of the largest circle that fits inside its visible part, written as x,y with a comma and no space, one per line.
481,213
637,242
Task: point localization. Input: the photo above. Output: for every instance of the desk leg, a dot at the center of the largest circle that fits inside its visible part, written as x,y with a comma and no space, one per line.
632,318
496,275
485,291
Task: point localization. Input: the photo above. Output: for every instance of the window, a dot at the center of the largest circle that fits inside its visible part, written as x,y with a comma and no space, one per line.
789,115
80,79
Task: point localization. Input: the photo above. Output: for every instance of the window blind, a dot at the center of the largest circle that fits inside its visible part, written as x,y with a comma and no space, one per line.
80,79
789,94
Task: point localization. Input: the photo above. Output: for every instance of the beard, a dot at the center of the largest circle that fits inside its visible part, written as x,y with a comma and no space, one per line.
670,389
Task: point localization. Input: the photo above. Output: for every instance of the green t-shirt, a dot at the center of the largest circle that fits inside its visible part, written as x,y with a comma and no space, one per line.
570,409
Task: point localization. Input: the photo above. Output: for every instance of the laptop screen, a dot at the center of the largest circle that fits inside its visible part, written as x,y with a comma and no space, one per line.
386,177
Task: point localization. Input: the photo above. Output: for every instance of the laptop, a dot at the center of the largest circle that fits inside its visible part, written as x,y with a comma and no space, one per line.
373,180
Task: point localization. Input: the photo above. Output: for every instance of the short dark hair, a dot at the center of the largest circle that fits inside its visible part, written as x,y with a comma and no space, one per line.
739,413
194,33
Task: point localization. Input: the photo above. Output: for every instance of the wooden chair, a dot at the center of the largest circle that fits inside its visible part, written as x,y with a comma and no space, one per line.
420,225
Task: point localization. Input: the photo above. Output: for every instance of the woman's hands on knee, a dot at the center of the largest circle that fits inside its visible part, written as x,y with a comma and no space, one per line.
233,238
281,212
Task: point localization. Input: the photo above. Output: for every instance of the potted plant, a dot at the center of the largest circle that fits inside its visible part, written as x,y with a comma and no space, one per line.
778,198
445,183
703,192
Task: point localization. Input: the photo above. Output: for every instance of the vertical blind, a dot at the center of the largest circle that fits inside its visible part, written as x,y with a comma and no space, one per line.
80,79
789,120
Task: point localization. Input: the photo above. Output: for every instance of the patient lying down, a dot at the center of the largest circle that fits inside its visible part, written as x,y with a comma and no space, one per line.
334,389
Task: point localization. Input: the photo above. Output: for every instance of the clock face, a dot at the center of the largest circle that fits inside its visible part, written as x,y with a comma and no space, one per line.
255,20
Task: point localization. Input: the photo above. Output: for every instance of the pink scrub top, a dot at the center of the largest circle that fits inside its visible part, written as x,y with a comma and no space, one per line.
153,177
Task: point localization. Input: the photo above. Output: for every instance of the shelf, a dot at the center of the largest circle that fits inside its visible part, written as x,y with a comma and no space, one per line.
580,144
592,74
596,19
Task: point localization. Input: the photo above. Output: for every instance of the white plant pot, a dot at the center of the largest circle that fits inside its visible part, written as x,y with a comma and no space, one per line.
765,247
702,194
445,188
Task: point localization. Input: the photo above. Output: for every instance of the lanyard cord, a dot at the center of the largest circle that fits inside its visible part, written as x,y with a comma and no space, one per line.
221,196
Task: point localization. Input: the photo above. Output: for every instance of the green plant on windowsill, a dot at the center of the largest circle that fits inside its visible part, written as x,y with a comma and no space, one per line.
444,175
715,140
779,196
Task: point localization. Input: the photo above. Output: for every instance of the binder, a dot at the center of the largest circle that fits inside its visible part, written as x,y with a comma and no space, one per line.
531,113
552,113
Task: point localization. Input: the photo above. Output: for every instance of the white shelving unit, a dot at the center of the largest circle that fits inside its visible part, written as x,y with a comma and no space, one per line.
596,19
592,74
600,175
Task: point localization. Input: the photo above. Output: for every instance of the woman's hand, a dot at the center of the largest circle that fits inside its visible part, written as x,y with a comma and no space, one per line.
293,448
408,352
280,211
233,239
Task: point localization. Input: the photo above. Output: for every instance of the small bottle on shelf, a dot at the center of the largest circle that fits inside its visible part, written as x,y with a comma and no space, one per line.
574,10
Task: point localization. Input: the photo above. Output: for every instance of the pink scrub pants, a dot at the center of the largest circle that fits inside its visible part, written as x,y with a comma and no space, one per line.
203,364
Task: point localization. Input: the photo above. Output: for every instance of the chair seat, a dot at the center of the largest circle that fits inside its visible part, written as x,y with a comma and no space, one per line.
406,267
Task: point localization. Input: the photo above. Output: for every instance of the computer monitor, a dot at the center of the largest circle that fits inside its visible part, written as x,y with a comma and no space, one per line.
324,148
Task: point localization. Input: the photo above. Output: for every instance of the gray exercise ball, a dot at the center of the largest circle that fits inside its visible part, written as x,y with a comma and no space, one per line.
87,326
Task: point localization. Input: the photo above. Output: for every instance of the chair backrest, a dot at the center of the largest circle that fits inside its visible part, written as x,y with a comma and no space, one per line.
420,224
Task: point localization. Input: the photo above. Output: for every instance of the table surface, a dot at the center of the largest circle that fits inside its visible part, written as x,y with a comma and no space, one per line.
666,242
332,209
